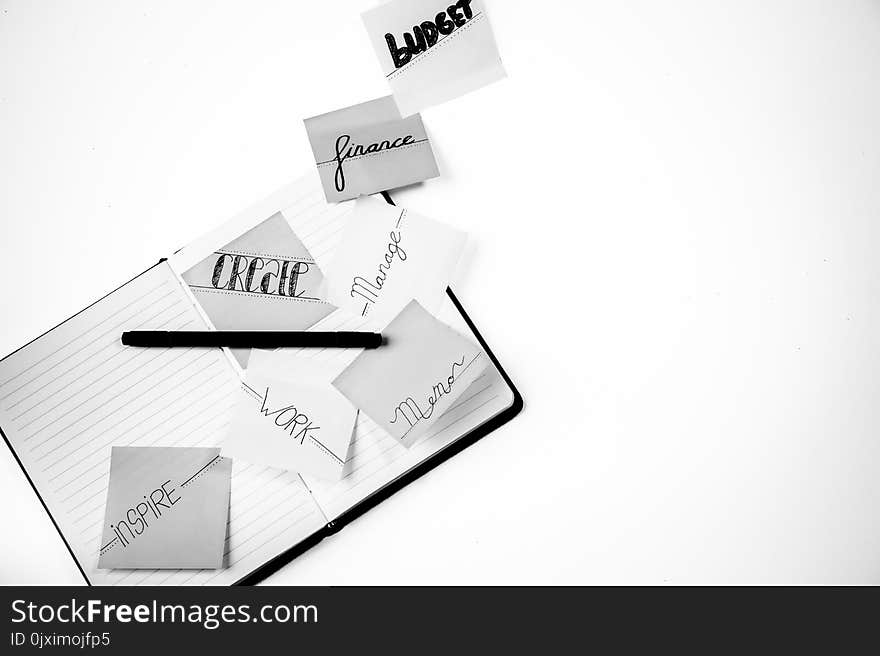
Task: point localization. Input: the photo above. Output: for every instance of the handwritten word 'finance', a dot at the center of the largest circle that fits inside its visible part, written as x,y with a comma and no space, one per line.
358,150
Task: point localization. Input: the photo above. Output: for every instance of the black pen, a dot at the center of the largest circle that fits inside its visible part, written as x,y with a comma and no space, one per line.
251,338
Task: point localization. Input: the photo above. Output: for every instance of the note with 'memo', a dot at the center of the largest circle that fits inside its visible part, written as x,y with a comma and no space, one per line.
415,377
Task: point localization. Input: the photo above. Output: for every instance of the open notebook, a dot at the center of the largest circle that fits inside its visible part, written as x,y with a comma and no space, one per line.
72,393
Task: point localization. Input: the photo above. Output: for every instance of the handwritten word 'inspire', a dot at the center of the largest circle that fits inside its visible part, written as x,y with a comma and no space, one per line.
359,150
369,289
289,418
137,519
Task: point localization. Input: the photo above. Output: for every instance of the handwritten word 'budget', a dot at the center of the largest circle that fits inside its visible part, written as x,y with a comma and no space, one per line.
238,272
427,34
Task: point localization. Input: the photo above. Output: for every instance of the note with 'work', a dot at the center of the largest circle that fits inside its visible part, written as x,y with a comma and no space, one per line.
290,417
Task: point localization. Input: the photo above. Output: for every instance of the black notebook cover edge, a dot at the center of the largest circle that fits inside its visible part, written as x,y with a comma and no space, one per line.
9,444
362,507
281,560
286,557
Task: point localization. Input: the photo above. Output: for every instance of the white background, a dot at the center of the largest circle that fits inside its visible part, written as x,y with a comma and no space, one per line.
676,210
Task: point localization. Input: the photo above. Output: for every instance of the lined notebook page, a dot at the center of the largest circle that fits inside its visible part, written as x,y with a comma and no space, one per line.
70,395
375,458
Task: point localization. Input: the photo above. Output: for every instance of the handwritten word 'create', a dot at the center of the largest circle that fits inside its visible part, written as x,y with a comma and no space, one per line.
410,410
359,150
137,519
289,419
238,272
369,289
426,35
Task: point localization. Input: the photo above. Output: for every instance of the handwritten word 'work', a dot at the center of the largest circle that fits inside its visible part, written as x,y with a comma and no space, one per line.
289,419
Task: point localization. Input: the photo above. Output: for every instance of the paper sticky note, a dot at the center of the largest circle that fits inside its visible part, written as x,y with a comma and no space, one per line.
263,280
387,256
431,51
406,385
369,148
290,417
167,507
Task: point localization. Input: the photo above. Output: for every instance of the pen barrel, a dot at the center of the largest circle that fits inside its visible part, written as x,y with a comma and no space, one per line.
251,339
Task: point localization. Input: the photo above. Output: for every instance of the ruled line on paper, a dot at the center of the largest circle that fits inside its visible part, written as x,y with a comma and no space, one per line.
270,512
107,346
346,493
299,501
107,458
88,393
366,427
112,386
106,416
78,336
375,457
68,356
251,535
113,341
136,439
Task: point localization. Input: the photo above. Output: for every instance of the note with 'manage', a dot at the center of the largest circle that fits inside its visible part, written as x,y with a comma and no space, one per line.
389,255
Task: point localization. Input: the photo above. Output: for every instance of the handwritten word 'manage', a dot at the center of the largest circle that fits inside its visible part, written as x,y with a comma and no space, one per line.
369,289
